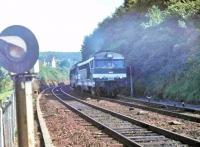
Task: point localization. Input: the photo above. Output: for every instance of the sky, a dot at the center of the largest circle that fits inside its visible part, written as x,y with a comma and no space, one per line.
59,25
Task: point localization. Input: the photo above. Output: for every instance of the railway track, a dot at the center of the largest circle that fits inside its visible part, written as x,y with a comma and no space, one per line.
96,138
175,106
127,130
182,113
169,110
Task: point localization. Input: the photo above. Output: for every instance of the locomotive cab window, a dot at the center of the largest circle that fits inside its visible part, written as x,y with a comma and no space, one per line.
109,63
91,64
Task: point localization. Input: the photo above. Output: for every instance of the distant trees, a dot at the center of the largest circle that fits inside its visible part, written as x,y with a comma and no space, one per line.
64,64
63,59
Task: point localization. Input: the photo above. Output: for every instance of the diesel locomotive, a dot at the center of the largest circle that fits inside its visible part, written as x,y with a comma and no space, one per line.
103,74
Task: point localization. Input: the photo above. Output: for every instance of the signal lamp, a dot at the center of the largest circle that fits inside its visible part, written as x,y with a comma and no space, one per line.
19,49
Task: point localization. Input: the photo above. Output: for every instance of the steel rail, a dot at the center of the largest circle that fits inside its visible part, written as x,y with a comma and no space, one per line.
187,109
157,110
169,134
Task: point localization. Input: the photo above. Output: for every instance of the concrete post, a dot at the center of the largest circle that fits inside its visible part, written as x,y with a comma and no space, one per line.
24,107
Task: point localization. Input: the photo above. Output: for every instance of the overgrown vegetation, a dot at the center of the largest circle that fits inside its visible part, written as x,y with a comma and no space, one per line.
53,75
160,39
64,60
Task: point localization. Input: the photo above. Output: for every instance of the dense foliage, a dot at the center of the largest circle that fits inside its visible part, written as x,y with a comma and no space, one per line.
160,39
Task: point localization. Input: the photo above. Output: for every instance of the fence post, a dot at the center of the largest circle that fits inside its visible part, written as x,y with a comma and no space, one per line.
1,127
13,117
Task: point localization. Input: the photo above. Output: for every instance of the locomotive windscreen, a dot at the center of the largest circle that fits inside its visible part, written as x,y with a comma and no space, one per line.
109,63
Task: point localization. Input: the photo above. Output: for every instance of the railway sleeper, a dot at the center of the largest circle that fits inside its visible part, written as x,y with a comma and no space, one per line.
158,144
129,134
134,131
116,123
148,138
129,129
97,116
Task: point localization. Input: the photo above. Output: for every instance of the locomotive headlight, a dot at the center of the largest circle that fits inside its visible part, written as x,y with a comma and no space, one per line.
109,56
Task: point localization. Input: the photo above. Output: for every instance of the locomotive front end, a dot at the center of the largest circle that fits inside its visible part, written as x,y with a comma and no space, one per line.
109,73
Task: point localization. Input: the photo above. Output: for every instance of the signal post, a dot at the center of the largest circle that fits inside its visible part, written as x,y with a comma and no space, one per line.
19,52
24,107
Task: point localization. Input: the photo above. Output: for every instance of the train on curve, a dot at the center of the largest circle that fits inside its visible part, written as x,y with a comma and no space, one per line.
103,74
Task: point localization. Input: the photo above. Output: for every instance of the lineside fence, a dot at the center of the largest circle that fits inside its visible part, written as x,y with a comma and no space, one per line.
8,121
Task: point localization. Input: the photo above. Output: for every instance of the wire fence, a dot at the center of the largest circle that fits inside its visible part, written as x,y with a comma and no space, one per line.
8,122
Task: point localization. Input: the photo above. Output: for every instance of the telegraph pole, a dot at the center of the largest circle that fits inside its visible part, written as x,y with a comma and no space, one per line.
24,107
131,81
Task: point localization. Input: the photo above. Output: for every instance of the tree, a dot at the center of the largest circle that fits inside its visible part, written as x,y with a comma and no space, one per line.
184,8
155,15
128,4
64,64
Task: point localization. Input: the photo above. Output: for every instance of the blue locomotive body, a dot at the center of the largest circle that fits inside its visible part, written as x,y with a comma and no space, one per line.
102,74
